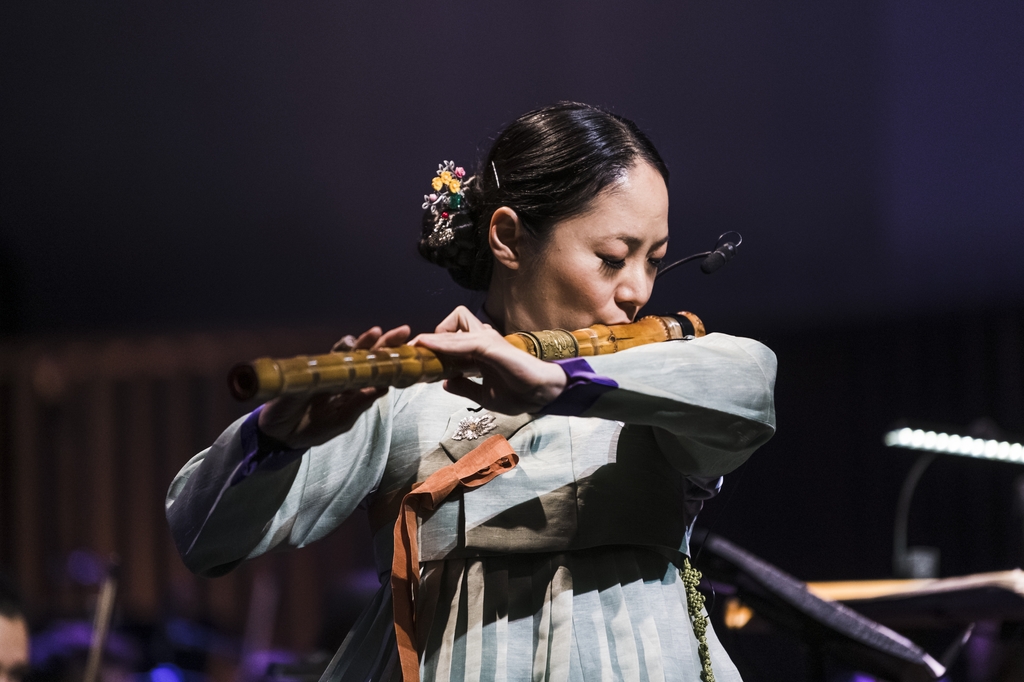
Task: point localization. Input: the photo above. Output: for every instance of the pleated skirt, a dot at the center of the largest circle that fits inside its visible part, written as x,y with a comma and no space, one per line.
605,614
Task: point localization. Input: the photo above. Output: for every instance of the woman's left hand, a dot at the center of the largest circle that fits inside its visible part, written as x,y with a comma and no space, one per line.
514,382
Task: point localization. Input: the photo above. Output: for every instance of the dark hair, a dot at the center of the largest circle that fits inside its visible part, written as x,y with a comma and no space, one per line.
547,165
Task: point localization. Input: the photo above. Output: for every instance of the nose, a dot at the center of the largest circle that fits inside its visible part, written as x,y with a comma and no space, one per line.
633,290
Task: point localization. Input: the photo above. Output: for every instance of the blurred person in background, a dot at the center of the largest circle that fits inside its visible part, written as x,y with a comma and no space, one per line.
14,640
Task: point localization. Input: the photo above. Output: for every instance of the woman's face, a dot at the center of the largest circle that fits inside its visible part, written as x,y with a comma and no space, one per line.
597,267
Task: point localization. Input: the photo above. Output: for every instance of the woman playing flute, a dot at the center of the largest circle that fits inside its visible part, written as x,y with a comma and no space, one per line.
559,556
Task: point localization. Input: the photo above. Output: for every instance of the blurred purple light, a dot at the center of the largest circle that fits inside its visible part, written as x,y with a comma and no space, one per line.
85,567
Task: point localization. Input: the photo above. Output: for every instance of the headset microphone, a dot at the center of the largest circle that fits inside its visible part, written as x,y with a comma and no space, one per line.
724,252
719,257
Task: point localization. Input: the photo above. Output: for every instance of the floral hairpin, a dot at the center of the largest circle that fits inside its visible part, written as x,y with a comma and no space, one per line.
447,198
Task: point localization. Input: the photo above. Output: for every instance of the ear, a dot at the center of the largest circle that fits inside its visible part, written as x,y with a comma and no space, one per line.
505,237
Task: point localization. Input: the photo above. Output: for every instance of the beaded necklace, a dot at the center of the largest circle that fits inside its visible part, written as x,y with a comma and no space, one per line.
694,604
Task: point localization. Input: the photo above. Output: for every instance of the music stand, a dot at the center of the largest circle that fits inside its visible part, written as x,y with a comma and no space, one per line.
828,627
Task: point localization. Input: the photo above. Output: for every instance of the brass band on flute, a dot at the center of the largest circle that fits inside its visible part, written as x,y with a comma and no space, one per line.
267,378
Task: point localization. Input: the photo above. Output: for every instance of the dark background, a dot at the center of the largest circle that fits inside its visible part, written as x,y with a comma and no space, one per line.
181,167
214,164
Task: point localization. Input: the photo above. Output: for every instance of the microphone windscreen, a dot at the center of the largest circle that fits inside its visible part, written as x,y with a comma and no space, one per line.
712,262
717,258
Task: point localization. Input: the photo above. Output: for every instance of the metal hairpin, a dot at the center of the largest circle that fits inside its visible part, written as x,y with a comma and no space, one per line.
496,181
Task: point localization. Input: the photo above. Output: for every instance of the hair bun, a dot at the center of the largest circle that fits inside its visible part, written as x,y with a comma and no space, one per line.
449,236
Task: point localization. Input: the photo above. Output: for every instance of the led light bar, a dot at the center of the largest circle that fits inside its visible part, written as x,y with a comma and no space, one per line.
952,444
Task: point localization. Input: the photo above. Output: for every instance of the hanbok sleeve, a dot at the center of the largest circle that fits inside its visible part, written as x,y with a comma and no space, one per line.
710,401
232,501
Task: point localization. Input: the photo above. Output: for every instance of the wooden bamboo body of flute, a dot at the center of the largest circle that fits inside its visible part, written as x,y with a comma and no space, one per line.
402,366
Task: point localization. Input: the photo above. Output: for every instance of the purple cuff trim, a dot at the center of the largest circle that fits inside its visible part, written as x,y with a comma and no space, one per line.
261,451
582,388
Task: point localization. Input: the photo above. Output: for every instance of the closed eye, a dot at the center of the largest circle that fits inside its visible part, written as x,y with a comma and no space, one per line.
614,263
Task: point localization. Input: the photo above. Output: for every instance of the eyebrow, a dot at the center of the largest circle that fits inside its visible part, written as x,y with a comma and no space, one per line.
634,242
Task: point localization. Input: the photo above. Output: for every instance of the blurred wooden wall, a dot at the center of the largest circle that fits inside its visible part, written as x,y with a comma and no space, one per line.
91,434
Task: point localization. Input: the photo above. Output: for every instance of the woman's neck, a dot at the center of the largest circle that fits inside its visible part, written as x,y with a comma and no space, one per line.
494,309
500,307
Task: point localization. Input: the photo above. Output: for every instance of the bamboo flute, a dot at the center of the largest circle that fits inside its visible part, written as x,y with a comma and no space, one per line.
401,366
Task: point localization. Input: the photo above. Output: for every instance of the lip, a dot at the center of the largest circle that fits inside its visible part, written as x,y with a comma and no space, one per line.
613,322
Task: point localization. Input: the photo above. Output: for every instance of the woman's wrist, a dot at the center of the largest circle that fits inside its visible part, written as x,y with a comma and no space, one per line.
581,389
554,386
259,449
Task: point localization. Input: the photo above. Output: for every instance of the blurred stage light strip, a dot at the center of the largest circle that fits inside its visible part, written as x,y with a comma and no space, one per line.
953,444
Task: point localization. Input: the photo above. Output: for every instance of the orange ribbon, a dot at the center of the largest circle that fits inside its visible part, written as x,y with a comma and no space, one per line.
491,458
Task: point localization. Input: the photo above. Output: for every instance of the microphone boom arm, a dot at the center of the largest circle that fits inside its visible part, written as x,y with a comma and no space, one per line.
681,261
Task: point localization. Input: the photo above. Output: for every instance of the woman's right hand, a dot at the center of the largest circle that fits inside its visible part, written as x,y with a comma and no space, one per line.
513,382
303,420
